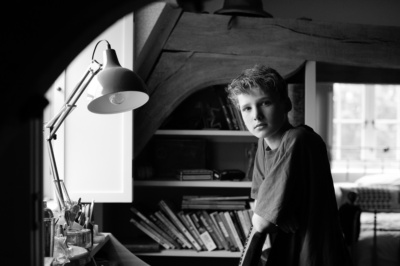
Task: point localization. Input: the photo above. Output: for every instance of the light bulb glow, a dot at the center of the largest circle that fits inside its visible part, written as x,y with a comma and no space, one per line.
117,98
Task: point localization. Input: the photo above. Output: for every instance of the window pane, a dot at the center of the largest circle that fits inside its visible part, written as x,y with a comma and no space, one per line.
348,101
386,141
351,141
386,101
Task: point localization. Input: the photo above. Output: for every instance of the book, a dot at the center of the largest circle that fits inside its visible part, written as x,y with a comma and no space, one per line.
214,203
167,230
218,202
155,227
150,233
172,227
168,210
217,229
195,174
238,226
227,115
196,232
235,234
210,230
247,218
215,198
233,114
243,223
251,154
216,216
228,230
145,225
204,234
213,206
239,118
190,228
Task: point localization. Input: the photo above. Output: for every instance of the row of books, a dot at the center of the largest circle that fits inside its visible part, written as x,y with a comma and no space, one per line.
199,230
232,115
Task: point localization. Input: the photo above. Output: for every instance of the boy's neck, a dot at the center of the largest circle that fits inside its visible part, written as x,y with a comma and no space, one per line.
273,143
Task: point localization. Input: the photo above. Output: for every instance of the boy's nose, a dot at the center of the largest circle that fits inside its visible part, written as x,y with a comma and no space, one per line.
257,114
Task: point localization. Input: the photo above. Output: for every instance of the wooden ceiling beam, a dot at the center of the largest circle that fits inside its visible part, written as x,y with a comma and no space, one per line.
331,42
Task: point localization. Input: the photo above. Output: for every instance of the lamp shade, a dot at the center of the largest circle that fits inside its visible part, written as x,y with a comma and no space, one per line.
118,89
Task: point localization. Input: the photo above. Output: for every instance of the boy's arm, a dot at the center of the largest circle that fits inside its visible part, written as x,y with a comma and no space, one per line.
262,225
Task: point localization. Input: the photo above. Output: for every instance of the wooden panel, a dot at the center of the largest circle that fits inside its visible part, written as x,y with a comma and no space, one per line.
340,43
178,75
155,42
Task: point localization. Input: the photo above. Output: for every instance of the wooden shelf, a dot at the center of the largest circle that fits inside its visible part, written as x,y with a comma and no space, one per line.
192,253
161,183
212,135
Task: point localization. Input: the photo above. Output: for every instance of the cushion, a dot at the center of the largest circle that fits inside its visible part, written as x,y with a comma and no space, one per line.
379,179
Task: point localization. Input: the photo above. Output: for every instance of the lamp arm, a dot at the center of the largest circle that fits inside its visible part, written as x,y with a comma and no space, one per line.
70,103
51,128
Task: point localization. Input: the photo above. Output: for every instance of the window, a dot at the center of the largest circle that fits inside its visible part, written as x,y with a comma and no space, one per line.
365,129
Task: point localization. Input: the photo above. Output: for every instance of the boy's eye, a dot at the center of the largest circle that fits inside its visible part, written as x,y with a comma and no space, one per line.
266,103
245,109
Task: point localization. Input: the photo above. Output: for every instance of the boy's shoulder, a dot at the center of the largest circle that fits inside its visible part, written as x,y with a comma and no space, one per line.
303,132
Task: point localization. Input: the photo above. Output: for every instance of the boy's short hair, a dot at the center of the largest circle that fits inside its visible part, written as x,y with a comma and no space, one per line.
266,78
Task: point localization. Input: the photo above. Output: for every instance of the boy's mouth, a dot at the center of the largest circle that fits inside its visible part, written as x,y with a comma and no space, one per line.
260,125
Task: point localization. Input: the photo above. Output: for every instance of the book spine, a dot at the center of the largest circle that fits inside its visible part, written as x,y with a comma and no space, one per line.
214,198
243,223
212,207
226,113
204,235
228,229
233,230
149,233
217,228
224,231
154,227
239,118
167,230
164,206
145,225
189,227
237,225
208,227
251,153
196,232
247,219
172,227
233,115
184,177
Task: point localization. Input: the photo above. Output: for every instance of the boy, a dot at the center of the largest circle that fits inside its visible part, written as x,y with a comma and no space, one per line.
292,183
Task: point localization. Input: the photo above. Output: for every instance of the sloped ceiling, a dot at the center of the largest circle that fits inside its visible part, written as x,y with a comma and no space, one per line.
189,51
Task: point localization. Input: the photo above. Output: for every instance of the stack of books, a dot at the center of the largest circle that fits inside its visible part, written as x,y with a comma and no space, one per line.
200,230
195,174
215,203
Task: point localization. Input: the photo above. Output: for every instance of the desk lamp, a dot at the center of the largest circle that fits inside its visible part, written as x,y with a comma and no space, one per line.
117,90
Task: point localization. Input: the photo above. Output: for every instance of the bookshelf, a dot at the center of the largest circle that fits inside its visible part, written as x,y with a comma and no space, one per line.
225,149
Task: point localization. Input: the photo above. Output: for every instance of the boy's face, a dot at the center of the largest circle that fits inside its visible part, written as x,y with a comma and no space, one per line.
263,114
